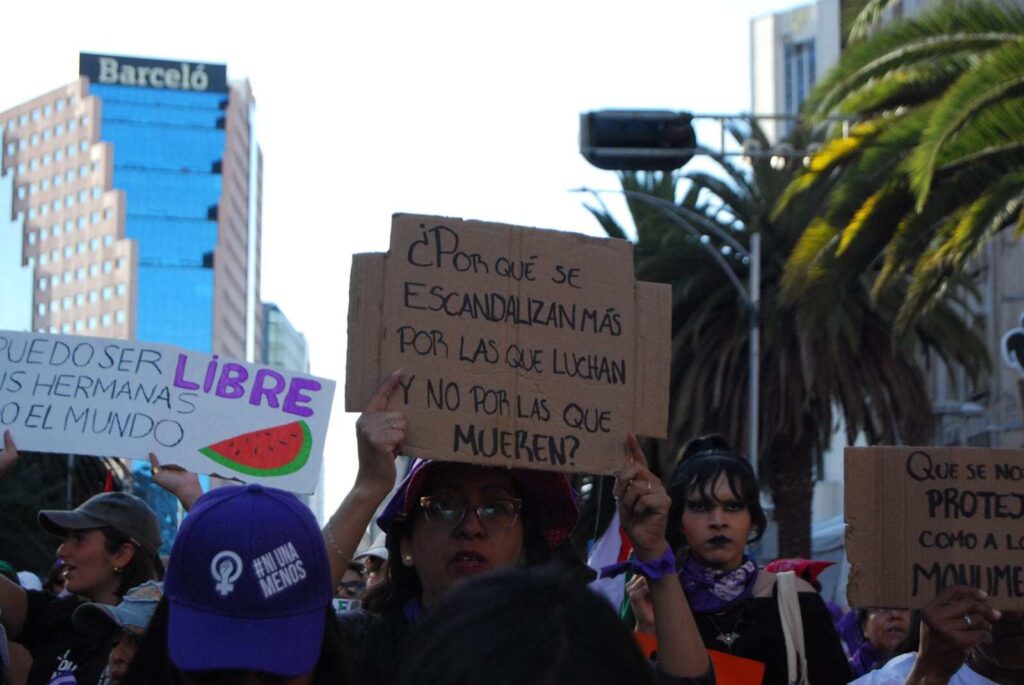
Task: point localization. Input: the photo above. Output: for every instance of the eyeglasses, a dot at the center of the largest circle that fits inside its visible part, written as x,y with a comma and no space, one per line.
494,515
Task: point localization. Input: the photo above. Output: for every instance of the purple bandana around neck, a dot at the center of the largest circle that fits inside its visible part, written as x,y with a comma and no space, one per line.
711,591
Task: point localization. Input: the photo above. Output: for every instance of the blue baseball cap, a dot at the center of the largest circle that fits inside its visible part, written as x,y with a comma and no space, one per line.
132,615
248,584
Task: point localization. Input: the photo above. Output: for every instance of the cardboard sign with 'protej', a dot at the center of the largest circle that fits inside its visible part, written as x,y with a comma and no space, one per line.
520,347
919,519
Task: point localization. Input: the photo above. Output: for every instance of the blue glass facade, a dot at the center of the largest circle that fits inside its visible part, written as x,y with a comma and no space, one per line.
168,148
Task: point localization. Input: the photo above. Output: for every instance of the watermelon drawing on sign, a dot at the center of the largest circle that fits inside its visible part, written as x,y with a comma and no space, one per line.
265,452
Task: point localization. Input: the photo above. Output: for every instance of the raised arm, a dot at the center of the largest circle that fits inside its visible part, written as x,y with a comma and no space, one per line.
952,624
643,510
379,437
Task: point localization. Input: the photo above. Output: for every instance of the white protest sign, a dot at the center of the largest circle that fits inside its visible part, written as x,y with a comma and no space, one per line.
205,413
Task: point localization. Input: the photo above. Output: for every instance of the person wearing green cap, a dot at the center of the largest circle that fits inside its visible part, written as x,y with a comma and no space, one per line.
110,545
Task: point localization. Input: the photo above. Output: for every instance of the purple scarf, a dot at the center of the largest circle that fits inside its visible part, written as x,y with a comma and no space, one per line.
711,591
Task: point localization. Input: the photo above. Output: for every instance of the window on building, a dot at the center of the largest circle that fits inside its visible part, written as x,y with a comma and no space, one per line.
44,184
69,226
58,155
22,119
94,269
33,164
59,105
46,159
31,237
65,302
108,240
54,306
11,148
69,251
35,114
94,244
41,309
31,213
108,266
67,276
72,150
43,259
83,170
46,134
21,167
94,295
55,255
57,180
34,139
42,285
84,146
54,280
79,325
44,234
105,319
120,316
69,201
83,196
79,299
22,144
22,192
108,292
65,328
94,218
108,213
47,109
58,129
121,289
72,124
82,222
93,322
80,273
96,191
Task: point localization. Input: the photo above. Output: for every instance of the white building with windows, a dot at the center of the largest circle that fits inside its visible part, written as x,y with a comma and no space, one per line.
15,274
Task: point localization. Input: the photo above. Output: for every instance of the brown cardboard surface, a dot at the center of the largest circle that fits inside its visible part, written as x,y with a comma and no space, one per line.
521,347
921,518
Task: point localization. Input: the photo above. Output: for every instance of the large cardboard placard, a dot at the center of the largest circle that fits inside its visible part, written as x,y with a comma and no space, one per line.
520,347
206,413
919,519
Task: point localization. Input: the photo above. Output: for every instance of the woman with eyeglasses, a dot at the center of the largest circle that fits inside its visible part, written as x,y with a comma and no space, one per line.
448,522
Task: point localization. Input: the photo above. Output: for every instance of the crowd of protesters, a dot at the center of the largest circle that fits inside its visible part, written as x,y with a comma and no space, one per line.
473,580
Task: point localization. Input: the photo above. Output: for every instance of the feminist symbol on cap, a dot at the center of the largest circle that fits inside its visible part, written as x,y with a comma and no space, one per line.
225,568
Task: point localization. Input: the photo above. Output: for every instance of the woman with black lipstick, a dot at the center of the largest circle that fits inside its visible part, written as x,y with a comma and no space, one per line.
716,511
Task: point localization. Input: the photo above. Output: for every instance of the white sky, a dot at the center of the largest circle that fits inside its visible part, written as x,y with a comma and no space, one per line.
367,108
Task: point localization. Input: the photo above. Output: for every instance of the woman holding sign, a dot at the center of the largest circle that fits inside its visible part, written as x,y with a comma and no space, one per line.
740,610
110,545
450,521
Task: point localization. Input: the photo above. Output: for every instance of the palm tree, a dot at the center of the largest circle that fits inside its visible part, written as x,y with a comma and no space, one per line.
845,366
933,170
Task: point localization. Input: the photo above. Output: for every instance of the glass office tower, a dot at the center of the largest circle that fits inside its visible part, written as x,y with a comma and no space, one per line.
137,191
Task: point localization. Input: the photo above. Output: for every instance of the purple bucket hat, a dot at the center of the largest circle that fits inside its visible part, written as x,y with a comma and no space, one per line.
548,497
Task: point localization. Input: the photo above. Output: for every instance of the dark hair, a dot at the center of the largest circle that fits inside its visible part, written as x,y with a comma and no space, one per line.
142,567
528,626
402,583
152,664
700,464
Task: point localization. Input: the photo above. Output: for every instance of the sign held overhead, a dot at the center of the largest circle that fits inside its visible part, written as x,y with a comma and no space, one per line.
520,347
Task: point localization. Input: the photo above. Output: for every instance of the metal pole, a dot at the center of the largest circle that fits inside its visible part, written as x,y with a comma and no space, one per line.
753,387
71,471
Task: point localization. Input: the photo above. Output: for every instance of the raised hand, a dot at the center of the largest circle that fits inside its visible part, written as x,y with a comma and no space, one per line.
643,504
380,434
179,482
952,624
8,455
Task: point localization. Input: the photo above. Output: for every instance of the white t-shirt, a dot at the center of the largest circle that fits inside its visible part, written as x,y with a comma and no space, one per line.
897,670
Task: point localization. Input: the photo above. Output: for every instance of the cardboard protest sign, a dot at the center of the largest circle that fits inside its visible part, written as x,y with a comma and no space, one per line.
104,397
919,519
520,347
